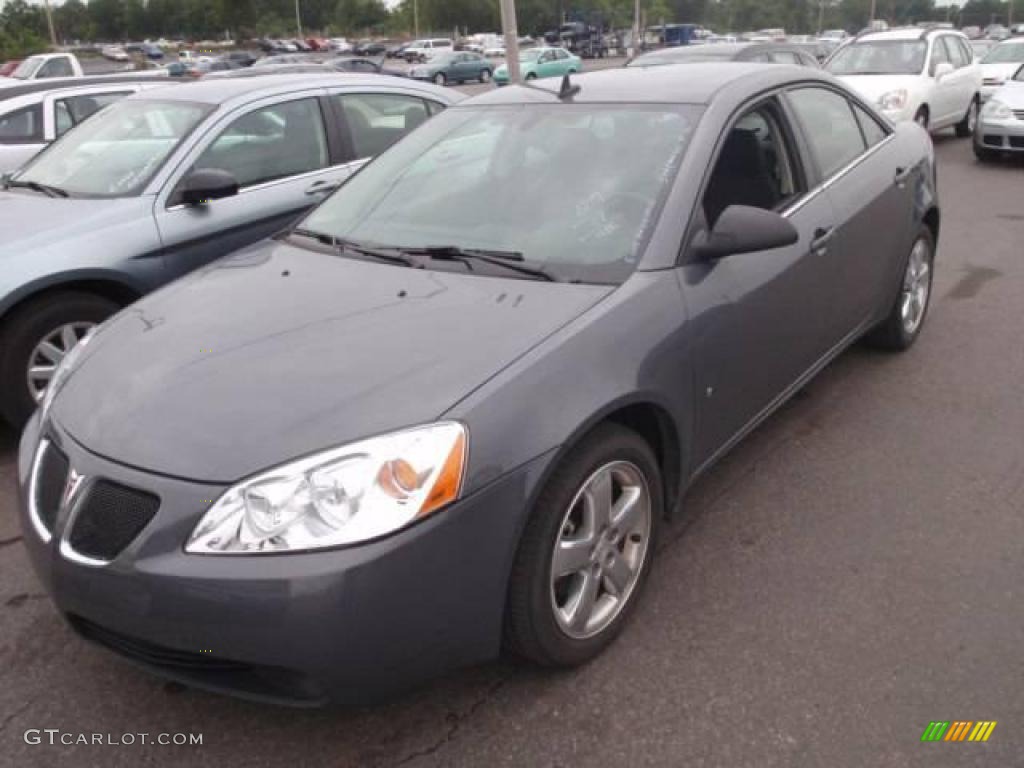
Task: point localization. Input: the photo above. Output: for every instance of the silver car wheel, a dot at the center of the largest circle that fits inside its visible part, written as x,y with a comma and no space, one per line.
916,287
47,354
600,550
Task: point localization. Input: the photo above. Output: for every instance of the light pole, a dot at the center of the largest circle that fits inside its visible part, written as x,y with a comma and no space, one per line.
415,18
49,21
874,4
298,19
509,27
636,28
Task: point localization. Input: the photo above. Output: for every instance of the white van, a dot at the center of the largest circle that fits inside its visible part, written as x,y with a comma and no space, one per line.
421,50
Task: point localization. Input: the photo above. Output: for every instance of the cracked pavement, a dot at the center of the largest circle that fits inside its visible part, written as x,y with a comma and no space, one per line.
851,572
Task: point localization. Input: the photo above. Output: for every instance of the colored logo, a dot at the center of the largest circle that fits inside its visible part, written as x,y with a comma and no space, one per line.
958,730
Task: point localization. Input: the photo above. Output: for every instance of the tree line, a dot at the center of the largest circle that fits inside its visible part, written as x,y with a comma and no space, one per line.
23,26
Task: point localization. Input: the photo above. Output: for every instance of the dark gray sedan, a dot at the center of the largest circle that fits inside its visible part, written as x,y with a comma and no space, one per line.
436,419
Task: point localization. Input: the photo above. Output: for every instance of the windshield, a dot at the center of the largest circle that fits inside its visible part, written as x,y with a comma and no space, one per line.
1007,53
27,68
880,57
116,152
697,54
574,189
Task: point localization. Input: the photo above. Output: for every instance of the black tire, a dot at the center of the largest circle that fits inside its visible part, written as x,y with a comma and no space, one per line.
24,329
531,629
891,334
485,76
531,76
440,79
984,154
923,118
966,126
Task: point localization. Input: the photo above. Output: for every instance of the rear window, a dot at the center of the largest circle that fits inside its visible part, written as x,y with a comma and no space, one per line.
23,125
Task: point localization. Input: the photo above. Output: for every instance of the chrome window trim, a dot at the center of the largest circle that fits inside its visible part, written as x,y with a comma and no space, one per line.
33,487
835,177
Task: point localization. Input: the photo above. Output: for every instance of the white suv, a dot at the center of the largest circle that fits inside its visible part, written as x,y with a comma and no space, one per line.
927,75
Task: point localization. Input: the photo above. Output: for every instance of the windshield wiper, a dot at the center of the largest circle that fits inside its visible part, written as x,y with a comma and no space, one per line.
46,189
505,259
390,255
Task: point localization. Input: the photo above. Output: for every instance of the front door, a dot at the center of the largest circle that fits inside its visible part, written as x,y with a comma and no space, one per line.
757,318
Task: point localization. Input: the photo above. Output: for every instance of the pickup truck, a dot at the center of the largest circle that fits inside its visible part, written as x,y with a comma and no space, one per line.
44,65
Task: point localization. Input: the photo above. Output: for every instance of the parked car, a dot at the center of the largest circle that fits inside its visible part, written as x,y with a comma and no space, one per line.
35,113
115,53
929,76
396,51
339,45
330,66
767,53
421,50
536,63
152,52
165,181
411,429
371,48
43,66
241,58
8,67
1001,64
1001,124
981,48
455,67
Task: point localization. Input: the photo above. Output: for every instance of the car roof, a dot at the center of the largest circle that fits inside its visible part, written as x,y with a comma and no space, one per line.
696,83
61,83
906,33
228,89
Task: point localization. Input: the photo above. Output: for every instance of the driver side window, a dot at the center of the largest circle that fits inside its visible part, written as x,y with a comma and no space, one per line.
754,167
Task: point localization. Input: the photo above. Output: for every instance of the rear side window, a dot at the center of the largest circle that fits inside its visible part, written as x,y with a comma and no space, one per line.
377,120
60,67
830,127
873,132
23,125
74,109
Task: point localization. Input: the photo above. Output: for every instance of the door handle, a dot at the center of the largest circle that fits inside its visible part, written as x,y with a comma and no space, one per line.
319,187
822,237
902,175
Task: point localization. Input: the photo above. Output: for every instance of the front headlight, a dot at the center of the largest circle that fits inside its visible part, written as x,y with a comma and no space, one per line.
997,110
341,496
61,374
893,101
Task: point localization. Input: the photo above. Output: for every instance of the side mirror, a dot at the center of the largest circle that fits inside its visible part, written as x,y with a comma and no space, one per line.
942,69
742,229
204,184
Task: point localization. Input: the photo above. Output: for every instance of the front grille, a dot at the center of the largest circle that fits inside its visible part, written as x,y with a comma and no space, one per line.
51,479
109,518
1017,142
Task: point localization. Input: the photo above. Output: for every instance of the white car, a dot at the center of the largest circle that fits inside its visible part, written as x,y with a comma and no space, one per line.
421,50
926,75
1001,64
114,53
1001,125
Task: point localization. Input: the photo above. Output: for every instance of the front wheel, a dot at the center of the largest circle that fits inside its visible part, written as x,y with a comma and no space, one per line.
440,79
586,550
966,126
906,316
35,339
985,155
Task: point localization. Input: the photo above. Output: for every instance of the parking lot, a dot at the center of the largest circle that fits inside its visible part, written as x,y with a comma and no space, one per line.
847,575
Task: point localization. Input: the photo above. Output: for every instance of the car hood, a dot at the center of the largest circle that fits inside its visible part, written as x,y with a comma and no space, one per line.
999,71
872,87
1011,94
31,221
277,352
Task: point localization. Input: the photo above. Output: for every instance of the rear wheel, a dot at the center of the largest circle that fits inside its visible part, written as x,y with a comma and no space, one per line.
922,118
531,75
586,550
440,79
485,76
35,339
906,317
966,126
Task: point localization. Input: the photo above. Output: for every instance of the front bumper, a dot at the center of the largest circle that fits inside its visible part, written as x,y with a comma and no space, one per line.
1000,135
345,625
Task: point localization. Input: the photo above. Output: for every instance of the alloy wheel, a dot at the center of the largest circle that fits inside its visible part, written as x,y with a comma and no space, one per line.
916,288
600,549
47,354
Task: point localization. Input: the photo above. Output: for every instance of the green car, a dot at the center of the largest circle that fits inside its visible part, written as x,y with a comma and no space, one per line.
454,67
541,62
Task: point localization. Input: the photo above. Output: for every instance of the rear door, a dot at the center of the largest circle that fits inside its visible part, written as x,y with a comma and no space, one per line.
759,318
858,164
286,157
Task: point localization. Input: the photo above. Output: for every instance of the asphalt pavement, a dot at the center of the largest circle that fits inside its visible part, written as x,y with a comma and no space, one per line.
848,574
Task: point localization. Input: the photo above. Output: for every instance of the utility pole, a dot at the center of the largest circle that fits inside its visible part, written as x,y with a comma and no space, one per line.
873,9
637,47
298,19
509,27
821,16
49,21
415,18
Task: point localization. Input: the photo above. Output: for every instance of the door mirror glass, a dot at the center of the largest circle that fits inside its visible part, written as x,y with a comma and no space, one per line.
743,229
205,184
